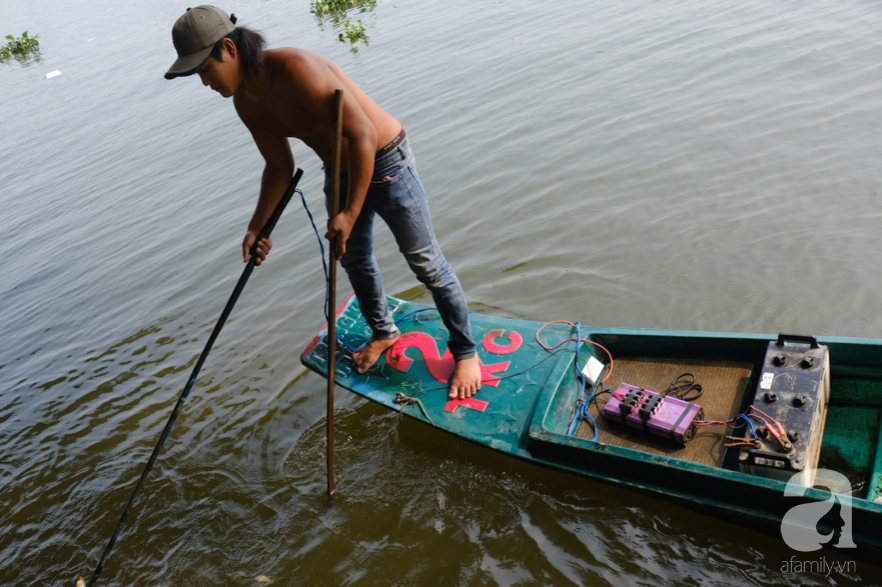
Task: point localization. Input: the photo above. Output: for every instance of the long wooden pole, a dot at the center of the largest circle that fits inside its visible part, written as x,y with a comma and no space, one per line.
332,282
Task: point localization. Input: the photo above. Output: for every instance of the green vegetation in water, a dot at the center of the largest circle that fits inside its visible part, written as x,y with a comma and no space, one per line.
20,46
354,31
331,7
335,13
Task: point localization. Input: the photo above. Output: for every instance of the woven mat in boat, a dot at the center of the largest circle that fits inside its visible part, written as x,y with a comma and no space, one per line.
724,385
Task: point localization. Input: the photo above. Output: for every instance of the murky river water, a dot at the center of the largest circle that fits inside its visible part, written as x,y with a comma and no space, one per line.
692,165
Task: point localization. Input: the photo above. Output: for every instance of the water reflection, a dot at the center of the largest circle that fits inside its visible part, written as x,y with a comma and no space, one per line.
24,59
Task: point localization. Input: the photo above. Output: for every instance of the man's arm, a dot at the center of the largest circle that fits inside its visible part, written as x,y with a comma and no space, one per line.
317,98
362,149
276,177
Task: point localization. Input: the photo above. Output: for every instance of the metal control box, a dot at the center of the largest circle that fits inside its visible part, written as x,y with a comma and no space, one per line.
793,388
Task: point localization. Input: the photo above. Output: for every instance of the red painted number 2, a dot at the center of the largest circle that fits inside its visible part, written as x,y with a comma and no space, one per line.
441,366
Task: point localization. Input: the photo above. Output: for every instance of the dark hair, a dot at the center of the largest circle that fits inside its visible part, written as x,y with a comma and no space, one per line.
249,43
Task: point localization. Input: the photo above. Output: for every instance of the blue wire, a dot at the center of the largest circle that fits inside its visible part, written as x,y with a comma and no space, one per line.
582,410
327,277
749,423
412,313
601,392
322,249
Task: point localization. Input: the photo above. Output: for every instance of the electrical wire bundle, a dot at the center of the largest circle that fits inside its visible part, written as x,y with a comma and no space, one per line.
772,425
580,409
680,389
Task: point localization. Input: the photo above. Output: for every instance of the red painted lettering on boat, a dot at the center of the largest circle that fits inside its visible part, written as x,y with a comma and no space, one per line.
440,366
469,402
514,344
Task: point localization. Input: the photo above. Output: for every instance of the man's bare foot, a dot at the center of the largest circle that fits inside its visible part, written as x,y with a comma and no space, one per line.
466,379
366,357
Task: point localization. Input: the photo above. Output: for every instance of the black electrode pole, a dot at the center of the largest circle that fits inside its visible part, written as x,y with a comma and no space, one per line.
265,233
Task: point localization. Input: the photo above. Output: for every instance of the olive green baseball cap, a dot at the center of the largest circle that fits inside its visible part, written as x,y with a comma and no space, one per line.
194,36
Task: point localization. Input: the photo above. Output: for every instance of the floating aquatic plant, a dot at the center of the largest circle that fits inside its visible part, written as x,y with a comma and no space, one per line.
336,14
328,7
18,46
354,31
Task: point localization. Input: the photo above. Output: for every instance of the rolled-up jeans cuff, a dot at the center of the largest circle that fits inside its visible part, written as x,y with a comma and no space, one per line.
386,335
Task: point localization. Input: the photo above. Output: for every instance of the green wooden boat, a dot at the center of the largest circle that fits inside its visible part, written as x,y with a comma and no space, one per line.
526,406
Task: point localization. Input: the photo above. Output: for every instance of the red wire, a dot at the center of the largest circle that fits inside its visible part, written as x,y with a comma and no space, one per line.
554,322
761,419
765,414
777,423
609,354
719,423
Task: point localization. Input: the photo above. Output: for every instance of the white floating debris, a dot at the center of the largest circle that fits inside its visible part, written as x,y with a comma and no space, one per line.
52,74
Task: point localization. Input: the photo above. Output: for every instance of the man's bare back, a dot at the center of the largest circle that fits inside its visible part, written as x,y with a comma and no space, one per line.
292,97
292,101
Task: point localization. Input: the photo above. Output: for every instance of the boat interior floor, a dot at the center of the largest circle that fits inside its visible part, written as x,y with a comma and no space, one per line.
724,385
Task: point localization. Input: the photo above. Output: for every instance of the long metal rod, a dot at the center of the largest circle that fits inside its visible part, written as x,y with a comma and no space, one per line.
265,233
332,282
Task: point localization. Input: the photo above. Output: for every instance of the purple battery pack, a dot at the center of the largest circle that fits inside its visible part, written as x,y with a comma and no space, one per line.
664,416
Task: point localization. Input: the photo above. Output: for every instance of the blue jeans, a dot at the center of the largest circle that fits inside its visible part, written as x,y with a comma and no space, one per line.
397,195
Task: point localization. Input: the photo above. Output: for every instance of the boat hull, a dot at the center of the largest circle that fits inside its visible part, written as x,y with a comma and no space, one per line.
526,404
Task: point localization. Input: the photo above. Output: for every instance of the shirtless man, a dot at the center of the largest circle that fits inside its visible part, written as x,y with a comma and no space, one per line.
287,92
